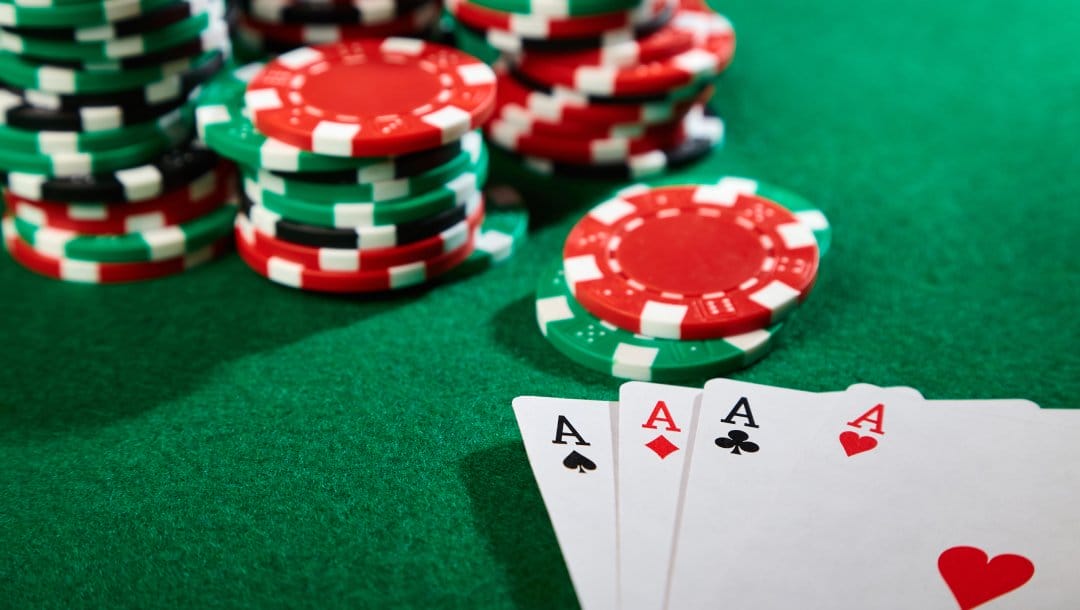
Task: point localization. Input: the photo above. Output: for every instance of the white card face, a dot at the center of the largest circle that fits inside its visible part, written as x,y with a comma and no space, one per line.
655,430
783,426
898,506
747,436
570,444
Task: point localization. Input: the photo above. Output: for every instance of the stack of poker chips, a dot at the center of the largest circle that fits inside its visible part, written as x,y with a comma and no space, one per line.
276,26
669,283
610,89
361,164
102,182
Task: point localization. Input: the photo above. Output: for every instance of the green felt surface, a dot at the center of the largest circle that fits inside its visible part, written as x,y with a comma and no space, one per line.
215,441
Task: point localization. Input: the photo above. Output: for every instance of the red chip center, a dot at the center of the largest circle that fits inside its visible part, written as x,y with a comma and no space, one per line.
690,254
374,88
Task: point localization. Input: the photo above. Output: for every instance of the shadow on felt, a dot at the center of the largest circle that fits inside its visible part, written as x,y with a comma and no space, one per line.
78,356
508,511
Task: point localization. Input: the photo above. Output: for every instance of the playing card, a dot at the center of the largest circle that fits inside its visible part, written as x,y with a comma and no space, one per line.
571,448
898,505
747,439
655,429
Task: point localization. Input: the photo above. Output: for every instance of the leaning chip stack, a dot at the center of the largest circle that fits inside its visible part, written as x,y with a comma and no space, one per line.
270,27
362,164
669,283
610,89
102,181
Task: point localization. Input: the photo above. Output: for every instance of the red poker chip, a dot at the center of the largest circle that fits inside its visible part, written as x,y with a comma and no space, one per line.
690,262
295,275
561,107
405,25
204,195
569,128
665,42
585,151
551,28
105,273
352,260
403,95
712,49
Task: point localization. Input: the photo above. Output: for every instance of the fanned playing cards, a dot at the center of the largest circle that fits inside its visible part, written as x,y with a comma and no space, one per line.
756,497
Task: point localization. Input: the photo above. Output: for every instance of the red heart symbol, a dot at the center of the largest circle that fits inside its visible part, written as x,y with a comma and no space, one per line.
975,579
853,443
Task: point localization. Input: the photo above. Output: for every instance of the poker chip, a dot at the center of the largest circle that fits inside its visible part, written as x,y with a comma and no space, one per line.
161,17
359,237
173,169
446,198
350,259
388,169
704,137
174,88
598,345
360,12
89,272
544,27
139,246
504,229
162,129
620,103
589,151
472,156
569,8
95,106
428,95
22,73
417,20
807,213
690,262
660,73
294,275
514,43
206,24
77,14
202,196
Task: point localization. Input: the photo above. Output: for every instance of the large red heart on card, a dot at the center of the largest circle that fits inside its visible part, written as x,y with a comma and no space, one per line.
853,443
975,579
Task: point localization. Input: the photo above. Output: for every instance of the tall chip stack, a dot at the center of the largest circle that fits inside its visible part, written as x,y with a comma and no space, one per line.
361,164
609,89
670,283
102,181
271,27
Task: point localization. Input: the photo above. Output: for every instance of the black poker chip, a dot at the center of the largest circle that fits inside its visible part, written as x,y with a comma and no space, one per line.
352,239
173,169
403,166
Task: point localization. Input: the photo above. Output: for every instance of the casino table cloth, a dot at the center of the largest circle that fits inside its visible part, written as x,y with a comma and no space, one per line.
213,440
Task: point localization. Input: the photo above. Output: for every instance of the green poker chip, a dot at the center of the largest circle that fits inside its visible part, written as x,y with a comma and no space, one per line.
96,162
603,347
118,48
224,127
75,14
505,227
28,75
143,246
473,155
453,194
475,45
179,123
567,8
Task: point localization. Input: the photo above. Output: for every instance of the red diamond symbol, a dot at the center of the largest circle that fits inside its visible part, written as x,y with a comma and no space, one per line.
662,446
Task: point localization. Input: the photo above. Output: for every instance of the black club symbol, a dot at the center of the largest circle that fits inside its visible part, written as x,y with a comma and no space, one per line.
738,441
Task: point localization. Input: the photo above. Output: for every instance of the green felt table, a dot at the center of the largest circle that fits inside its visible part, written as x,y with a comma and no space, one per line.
216,441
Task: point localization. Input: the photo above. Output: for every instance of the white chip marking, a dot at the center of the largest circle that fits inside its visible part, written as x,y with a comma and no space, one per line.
662,319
